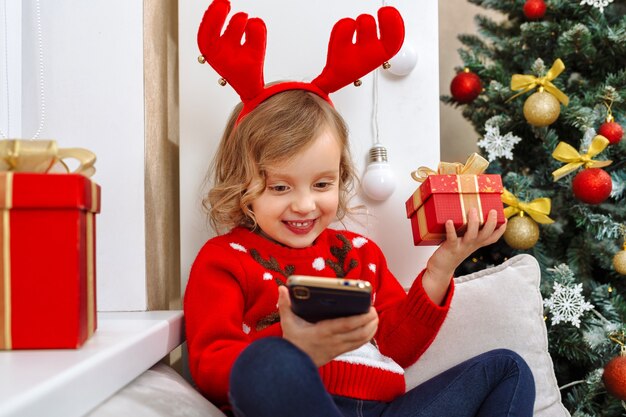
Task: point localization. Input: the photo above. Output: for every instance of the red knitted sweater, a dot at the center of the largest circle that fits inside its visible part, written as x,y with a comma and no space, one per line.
231,300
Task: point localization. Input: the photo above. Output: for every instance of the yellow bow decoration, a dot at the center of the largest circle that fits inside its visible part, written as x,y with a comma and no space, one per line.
538,209
565,152
474,165
530,82
42,156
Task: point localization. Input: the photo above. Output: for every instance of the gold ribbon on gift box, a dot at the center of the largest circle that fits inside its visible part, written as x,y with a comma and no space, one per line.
525,82
39,156
565,152
475,165
538,209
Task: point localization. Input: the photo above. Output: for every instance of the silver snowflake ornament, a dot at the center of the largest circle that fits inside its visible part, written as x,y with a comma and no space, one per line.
598,4
567,304
496,145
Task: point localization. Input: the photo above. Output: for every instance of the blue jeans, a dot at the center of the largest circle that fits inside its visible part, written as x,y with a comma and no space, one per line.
273,378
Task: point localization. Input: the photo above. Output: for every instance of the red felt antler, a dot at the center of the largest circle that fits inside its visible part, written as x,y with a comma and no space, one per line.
241,65
348,61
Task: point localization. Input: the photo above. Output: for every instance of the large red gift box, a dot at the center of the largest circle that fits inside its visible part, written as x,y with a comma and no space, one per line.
47,260
443,197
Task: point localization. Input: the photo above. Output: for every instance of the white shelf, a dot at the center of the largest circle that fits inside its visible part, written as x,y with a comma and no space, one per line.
69,383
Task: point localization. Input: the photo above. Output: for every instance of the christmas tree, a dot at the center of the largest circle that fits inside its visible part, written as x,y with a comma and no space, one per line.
545,89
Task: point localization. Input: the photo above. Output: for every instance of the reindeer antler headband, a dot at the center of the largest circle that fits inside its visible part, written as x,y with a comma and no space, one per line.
241,64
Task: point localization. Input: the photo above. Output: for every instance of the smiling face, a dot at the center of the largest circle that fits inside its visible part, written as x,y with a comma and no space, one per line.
282,140
301,195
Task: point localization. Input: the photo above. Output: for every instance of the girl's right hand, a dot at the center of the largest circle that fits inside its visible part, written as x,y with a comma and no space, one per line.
325,340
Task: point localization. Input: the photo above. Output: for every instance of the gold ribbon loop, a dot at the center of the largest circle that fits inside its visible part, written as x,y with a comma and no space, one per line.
530,82
41,156
475,165
538,209
565,152
85,158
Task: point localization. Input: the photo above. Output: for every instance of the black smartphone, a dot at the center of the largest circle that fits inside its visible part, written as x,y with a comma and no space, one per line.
319,298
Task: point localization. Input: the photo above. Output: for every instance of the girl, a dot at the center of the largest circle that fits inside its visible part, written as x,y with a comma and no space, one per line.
281,175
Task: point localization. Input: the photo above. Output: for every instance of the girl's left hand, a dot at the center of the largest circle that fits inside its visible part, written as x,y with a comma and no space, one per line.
455,249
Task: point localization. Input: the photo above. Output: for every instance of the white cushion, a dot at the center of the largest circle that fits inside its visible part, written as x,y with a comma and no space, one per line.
158,392
499,307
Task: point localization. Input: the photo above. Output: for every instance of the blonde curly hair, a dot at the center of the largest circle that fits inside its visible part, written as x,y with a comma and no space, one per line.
278,129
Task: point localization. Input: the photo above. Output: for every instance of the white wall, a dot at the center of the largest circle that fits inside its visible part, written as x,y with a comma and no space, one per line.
11,77
298,33
93,89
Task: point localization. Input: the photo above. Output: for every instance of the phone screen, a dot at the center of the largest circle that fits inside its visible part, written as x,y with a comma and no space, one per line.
315,298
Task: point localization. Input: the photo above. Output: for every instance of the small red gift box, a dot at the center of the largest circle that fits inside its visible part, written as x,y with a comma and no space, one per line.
47,260
444,197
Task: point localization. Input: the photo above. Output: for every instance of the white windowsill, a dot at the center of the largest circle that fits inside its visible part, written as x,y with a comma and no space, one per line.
69,383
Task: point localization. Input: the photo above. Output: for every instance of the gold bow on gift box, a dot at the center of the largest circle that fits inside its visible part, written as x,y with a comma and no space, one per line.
475,165
42,156
566,153
530,82
538,209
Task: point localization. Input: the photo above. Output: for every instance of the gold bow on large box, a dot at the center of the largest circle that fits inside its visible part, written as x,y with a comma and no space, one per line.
42,156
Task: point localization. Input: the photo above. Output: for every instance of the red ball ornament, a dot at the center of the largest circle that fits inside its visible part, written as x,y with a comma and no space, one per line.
534,9
614,377
465,86
592,185
612,131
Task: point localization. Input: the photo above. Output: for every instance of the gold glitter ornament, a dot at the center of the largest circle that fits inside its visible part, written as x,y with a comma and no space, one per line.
541,109
619,261
522,232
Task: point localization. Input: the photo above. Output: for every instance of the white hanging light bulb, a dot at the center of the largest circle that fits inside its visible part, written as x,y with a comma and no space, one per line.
379,181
